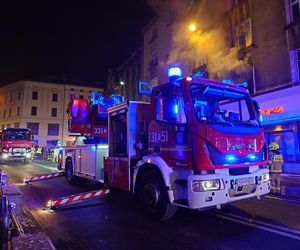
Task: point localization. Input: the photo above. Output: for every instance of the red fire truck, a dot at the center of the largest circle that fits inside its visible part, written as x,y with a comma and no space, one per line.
15,144
197,144
88,122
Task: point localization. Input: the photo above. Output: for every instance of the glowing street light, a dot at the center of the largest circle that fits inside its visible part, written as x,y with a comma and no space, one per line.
122,83
192,27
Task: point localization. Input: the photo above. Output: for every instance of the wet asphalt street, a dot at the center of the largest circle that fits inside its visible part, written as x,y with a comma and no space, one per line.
116,222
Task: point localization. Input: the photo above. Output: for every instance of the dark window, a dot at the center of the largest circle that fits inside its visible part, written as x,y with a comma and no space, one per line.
54,112
35,95
81,97
19,96
9,113
72,89
17,125
296,10
81,90
18,111
54,97
34,127
53,129
4,114
33,110
11,97
298,56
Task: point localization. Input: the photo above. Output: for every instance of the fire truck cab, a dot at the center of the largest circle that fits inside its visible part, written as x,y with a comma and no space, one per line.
197,144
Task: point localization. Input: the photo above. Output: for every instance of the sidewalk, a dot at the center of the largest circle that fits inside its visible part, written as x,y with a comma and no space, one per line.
292,185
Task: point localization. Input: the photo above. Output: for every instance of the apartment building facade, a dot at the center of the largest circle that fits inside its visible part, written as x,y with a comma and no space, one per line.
262,47
40,106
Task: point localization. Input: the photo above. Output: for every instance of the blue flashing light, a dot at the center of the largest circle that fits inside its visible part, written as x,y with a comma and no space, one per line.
93,148
261,119
176,109
230,158
228,81
174,72
251,157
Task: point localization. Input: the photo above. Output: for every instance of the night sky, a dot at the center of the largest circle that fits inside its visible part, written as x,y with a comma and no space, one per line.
80,41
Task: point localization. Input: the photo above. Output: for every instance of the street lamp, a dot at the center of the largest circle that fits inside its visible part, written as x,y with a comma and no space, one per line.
122,83
192,27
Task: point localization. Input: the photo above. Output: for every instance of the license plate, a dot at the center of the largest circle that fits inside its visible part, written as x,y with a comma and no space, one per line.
244,181
17,150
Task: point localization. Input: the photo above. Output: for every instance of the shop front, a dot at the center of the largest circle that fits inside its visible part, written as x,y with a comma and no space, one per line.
281,121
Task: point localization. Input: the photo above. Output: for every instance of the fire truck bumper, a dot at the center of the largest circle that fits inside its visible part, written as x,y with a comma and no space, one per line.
7,156
217,189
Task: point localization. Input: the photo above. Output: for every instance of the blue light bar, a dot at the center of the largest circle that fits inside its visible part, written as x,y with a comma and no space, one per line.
230,158
251,157
174,72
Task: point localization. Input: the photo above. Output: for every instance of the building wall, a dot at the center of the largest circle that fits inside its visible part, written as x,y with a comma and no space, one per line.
44,106
267,56
270,54
131,72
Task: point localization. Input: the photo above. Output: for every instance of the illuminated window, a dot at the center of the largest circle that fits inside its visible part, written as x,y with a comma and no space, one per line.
241,35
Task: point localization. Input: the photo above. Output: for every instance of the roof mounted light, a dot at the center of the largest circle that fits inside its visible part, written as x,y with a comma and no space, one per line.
174,72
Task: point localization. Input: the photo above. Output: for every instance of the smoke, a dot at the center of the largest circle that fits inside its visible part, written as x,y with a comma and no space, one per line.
209,44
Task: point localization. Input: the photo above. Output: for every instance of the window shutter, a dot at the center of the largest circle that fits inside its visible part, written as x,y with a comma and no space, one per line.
294,66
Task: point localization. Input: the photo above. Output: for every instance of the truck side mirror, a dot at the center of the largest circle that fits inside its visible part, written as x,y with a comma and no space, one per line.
145,88
257,110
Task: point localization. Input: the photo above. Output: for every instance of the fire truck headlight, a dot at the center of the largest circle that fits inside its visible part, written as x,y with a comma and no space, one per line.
207,185
266,177
28,155
4,156
5,150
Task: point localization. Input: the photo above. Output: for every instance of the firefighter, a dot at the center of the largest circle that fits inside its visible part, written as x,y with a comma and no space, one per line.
39,153
275,164
32,152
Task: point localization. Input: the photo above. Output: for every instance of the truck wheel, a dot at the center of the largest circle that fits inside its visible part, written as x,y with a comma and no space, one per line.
69,172
153,197
4,222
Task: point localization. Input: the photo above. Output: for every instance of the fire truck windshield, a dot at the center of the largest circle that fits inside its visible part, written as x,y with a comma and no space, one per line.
16,134
225,106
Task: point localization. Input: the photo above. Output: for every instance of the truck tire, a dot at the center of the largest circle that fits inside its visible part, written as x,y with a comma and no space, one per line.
4,222
153,197
69,172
